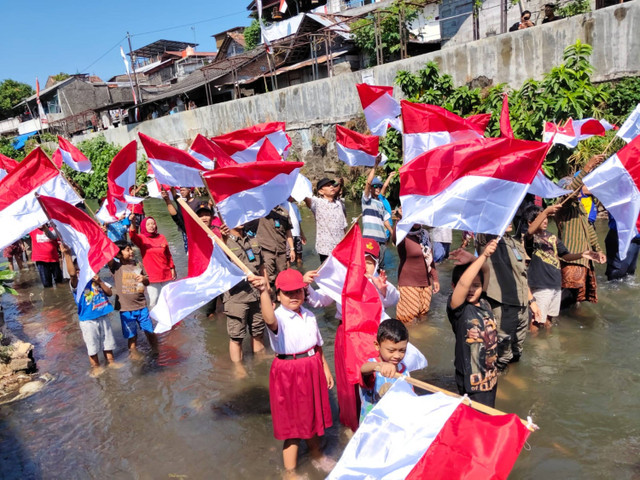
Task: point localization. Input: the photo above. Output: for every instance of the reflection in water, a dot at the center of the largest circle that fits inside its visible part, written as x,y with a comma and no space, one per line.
186,414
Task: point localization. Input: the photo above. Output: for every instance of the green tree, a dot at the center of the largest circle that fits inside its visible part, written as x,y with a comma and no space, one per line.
60,76
6,148
12,93
252,35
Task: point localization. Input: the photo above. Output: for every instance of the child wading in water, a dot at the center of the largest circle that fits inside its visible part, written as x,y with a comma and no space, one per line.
300,378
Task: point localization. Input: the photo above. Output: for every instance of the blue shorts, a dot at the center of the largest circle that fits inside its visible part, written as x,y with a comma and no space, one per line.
131,320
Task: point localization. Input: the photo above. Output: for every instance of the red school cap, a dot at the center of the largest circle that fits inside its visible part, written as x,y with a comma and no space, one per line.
290,280
371,247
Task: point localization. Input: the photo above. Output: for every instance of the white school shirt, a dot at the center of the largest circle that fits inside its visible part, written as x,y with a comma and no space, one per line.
297,332
295,218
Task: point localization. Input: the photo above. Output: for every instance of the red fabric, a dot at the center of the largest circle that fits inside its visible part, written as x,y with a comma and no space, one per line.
299,398
242,139
504,158
69,147
481,120
7,164
268,153
204,147
370,93
161,151
592,127
119,165
200,247
505,121
423,118
628,156
34,171
356,141
43,249
346,392
566,129
156,257
473,445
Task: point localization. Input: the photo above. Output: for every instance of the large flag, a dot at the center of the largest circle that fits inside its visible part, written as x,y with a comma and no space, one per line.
43,116
475,185
68,153
616,183
573,131
430,437
170,165
126,67
211,273
120,178
7,165
79,231
545,188
630,129
204,151
429,126
243,145
248,191
380,108
20,211
356,149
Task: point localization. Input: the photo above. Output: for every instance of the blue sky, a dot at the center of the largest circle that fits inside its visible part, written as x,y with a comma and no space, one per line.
42,38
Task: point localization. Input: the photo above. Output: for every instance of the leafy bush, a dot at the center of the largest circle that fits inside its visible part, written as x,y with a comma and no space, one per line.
574,8
252,35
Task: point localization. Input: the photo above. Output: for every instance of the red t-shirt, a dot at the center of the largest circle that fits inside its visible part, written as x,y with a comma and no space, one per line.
43,249
136,208
156,257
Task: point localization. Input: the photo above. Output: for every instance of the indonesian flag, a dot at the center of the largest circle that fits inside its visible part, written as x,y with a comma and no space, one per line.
68,153
573,131
170,165
243,145
20,211
475,185
545,188
616,183
268,153
79,231
245,192
283,6
7,165
211,273
120,178
380,108
356,149
203,150
505,121
154,189
430,436
429,126
630,129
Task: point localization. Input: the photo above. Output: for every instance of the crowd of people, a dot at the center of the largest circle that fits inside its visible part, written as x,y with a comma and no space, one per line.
502,289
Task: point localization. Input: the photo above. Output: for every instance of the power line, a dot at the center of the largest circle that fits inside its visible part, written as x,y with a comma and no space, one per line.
86,69
187,24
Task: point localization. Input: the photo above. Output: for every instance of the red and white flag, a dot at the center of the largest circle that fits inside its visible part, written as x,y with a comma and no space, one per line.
203,150
475,185
248,191
92,247
120,178
20,211
211,273
356,149
573,131
268,153
630,129
7,165
283,6
543,187
68,153
616,183
380,108
170,165
505,121
43,116
243,145
429,126
407,436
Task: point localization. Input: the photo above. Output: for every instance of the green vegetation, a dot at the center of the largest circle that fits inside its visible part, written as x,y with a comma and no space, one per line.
574,8
6,277
60,76
252,35
12,93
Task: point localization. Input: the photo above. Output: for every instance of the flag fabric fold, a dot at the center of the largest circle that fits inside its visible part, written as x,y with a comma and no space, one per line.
505,121
243,145
211,273
203,150
380,108
616,183
7,165
20,211
248,191
573,131
68,153
92,247
170,165
268,153
545,188
120,178
475,185
356,149
630,129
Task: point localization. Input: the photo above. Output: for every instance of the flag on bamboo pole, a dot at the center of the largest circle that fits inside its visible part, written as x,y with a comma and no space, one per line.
20,211
7,165
172,166
243,145
630,129
475,185
356,149
68,153
380,108
573,131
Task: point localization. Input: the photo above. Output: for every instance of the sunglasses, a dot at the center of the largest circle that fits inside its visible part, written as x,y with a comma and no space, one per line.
377,185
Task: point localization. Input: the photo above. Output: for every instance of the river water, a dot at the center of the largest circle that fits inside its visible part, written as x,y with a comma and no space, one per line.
185,415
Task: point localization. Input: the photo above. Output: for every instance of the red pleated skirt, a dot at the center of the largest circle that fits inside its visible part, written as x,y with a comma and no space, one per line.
299,398
348,397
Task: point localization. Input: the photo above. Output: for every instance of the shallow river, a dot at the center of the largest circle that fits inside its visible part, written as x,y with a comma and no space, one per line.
186,416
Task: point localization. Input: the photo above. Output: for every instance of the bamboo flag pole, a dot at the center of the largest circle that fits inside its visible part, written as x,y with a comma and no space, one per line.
476,405
232,256
206,186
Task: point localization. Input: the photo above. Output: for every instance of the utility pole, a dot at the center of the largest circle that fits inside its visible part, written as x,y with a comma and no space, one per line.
503,16
133,66
401,27
378,37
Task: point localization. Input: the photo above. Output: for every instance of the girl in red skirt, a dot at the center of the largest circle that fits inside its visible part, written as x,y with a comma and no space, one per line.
300,378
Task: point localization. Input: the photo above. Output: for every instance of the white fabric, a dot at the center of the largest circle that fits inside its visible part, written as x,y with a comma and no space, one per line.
153,292
175,174
83,166
613,186
354,157
630,129
394,436
278,139
382,113
545,188
297,333
294,215
98,335
477,204
415,144
283,28
441,235
180,298
302,188
126,180
203,160
80,245
154,192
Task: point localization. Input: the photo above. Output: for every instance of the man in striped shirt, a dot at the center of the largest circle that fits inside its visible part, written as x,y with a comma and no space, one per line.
375,218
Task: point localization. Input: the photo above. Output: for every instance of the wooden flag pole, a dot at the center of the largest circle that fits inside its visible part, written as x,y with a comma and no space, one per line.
232,256
476,405
206,186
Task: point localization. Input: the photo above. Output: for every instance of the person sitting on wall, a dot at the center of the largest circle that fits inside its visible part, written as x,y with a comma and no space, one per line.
525,22
549,13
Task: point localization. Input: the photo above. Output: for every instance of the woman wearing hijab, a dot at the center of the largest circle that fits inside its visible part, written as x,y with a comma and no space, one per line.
156,257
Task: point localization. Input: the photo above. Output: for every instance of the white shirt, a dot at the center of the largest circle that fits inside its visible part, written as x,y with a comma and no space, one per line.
295,218
297,332
441,234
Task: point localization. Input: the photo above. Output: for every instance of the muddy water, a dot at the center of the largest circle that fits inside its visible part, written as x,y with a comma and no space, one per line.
186,416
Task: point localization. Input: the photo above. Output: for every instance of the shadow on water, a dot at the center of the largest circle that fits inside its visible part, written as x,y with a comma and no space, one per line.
15,460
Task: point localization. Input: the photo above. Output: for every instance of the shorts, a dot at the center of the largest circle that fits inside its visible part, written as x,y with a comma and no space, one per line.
241,316
548,301
131,320
97,335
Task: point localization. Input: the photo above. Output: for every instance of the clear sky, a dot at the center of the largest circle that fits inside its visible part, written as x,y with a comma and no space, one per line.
42,38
